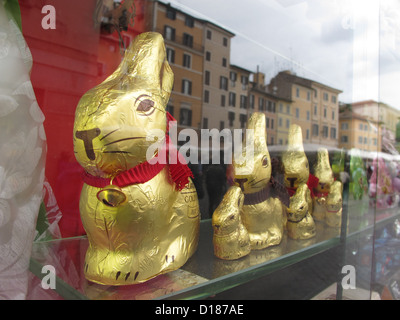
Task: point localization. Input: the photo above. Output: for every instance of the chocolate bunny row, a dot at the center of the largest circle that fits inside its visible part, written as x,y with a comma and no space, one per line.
266,211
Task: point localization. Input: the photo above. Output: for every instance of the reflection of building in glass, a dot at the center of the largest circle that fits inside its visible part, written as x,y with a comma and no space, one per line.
216,76
314,107
183,35
239,102
209,92
284,119
265,102
375,124
357,131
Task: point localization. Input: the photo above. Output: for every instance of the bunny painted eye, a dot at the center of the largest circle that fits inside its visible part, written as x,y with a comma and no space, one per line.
231,217
146,107
265,161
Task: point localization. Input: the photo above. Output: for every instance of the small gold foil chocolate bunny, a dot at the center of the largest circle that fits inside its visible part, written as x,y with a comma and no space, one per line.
334,204
298,181
231,239
295,164
300,224
262,213
141,217
324,173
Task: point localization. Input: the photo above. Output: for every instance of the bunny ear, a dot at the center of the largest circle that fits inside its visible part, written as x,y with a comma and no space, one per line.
257,123
295,138
233,195
323,159
145,65
166,81
337,187
302,189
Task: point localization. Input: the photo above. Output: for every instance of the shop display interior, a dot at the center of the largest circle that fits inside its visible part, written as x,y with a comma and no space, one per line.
320,179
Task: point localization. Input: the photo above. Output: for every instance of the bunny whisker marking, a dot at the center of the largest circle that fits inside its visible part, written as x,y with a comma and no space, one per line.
257,182
124,139
105,136
127,152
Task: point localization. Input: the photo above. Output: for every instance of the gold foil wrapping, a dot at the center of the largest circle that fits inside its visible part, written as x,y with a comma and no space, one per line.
300,224
328,193
262,215
323,171
294,159
231,239
334,204
249,218
145,229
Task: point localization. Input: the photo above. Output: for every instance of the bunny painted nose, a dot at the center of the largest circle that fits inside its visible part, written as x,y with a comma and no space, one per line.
322,185
241,182
87,137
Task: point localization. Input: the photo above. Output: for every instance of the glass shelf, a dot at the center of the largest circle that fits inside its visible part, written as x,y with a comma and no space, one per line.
203,275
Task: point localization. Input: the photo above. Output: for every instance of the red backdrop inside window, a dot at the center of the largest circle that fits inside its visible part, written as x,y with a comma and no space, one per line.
68,61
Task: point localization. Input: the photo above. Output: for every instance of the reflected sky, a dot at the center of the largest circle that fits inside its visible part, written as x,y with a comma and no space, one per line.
349,45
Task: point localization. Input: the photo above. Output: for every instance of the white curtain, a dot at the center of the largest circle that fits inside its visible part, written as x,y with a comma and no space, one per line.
22,160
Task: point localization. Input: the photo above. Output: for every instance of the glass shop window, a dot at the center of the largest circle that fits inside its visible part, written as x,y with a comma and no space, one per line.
205,123
231,117
171,13
232,99
243,101
187,59
185,117
170,55
243,120
206,96
207,77
187,87
223,100
189,21
315,130
169,33
251,101
223,83
188,40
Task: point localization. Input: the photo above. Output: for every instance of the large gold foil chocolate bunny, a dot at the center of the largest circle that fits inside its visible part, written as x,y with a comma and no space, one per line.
299,182
231,239
324,173
262,212
139,221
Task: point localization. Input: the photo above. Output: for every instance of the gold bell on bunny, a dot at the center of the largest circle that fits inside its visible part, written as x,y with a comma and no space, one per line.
141,216
111,195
